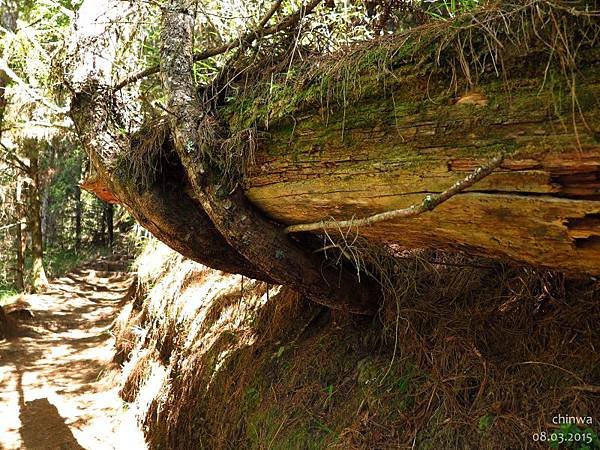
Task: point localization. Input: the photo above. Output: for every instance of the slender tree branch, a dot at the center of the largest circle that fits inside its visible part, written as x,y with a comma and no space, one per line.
31,92
9,226
428,204
20,163
240,41
137,77
13,160
267,17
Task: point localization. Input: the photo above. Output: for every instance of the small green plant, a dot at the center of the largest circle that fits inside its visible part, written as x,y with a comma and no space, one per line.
402,383
448,9
484,422
571,436
329,390
367,371
252,398
279,353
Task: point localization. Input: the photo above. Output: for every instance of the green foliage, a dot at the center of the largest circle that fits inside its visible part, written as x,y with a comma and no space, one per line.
251,399
7,293
448,9
64,166
41,33
485,422
59,262
271,429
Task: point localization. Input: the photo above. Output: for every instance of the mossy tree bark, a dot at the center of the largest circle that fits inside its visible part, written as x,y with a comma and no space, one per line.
164,208
38,275
388,151
249,233
401,136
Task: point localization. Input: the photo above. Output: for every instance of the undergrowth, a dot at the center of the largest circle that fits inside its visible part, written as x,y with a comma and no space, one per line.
58,262
7,294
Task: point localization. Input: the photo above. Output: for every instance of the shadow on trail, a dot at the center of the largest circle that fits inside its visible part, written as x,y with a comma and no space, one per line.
57,376
41,424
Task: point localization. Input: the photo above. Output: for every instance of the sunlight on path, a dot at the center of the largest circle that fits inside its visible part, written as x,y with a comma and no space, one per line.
58,384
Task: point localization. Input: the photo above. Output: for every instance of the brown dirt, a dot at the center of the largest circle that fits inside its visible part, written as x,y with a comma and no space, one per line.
58,384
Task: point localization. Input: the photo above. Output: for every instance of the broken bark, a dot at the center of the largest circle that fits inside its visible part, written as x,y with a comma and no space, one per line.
541,207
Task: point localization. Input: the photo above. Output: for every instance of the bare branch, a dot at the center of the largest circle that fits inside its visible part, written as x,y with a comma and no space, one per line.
240,41
29,90
137,77
9,226
428,204
269,14
11,159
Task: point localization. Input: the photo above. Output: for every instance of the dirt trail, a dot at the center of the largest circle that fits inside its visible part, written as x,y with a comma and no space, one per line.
57,380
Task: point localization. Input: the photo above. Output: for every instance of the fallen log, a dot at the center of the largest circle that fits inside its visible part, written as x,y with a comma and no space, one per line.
379,126
541,207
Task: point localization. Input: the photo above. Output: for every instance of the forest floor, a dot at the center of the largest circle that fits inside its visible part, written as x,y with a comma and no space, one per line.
58,381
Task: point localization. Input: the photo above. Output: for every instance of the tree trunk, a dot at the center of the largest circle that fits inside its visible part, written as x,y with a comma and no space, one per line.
399,136
20,238
250,234
164,208
78,214
541,207
386,152
38,275
9,12
20,251
48,227
109,215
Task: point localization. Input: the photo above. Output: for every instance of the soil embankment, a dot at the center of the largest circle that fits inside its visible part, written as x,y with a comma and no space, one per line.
465,353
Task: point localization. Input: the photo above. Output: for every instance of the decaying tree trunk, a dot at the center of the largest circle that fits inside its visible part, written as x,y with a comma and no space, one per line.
542,206
403,138
166,210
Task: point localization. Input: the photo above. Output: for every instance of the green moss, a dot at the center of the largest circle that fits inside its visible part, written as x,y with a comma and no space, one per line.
281,430
7,295
414,68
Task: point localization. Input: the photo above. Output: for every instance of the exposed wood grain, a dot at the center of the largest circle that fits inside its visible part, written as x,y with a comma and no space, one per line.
542,206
